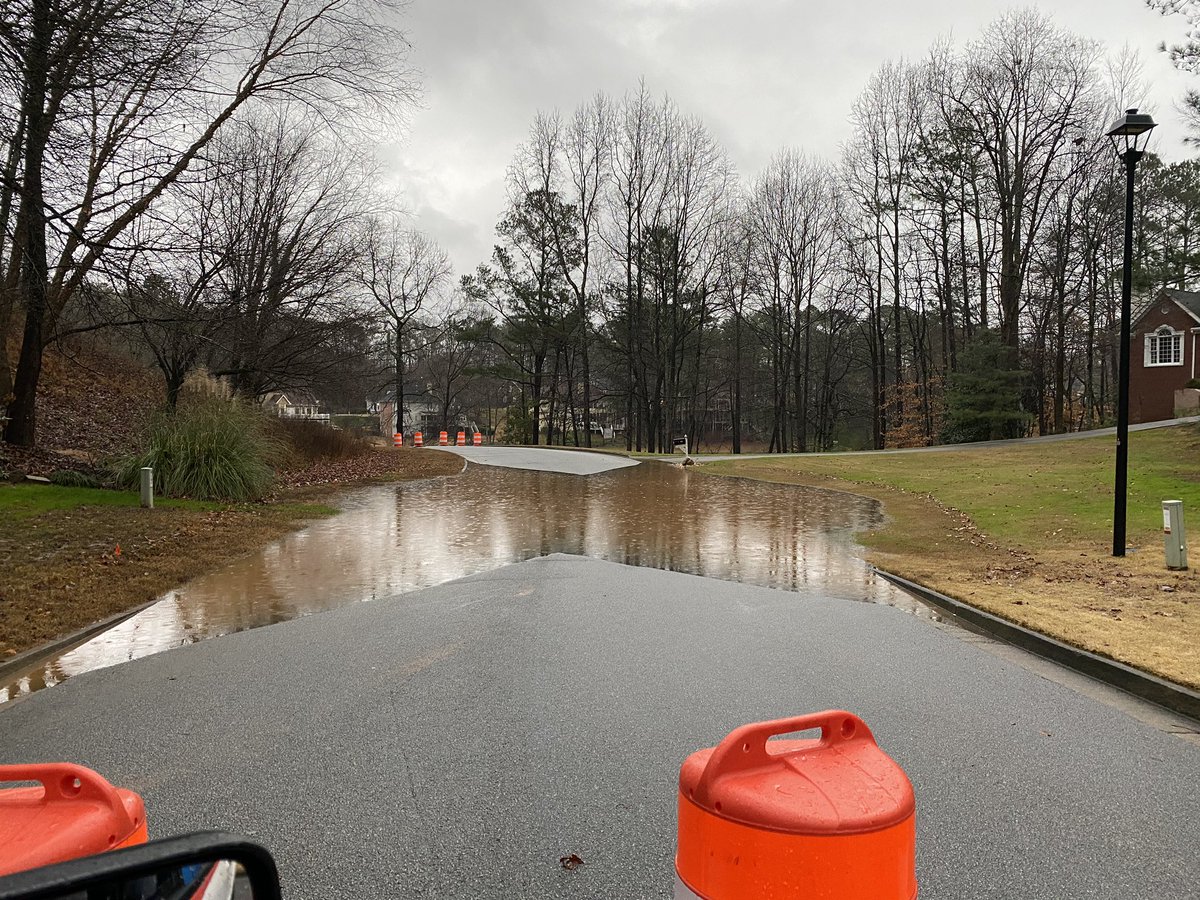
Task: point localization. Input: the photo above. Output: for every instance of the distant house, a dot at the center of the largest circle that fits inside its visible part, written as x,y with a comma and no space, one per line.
294,404
422,412
1165,331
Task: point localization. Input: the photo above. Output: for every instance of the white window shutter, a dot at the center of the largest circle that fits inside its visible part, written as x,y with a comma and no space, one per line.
1146,349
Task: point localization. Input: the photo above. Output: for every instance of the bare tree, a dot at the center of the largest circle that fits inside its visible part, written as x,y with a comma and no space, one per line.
403,269
587,149
1027,94
887,127
287,221
793,209
639,160
118,98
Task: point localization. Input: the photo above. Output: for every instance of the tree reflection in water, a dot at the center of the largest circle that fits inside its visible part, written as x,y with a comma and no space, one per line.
398,538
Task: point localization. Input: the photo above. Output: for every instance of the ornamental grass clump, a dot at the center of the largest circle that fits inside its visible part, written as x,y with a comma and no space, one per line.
207,449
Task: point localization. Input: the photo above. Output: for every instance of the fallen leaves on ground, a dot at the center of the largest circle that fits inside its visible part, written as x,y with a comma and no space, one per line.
374,465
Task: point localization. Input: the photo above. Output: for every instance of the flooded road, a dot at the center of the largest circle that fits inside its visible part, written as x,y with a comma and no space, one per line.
392,539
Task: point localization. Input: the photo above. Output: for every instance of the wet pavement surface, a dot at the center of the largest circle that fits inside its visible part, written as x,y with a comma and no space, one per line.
392,539
544,459
457,741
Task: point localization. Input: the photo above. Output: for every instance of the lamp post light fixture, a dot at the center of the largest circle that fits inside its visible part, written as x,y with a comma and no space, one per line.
1129,136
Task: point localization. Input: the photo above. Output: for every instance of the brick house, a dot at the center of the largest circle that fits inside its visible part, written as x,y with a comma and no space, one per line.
1162,353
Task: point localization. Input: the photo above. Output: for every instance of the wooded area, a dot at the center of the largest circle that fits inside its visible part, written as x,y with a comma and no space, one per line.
952,275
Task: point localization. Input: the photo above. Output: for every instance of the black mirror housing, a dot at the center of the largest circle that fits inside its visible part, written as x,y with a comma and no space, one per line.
76,877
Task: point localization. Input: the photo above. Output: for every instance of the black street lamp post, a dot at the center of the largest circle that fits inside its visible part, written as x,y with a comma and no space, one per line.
1126,133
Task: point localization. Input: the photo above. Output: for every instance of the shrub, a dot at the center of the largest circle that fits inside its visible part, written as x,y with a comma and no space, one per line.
308,442
518,421
983,398
208,449
361,424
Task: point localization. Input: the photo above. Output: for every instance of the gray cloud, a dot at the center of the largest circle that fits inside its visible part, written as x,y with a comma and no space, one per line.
763,74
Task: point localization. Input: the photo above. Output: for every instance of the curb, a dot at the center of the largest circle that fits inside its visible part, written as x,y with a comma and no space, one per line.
1174,697
28,659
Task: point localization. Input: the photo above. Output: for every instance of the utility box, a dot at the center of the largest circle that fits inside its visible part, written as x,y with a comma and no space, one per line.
1174,534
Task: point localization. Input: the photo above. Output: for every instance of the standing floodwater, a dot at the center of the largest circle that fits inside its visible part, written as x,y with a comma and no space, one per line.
396,538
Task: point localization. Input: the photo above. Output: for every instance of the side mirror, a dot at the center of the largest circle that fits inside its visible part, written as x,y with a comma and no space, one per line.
202,866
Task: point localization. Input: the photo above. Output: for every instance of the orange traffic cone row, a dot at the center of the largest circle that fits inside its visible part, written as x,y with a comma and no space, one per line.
477,440
443,439
825,818
418,439
74,813
461,441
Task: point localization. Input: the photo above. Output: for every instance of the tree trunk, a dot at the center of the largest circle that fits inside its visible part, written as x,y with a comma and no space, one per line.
22,425
897,356
802,400
399,377
535,425
174,381
553,402
8,286
1060,368
585,373
737,383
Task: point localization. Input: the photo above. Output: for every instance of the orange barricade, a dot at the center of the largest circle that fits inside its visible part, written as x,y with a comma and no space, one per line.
443,439
461,440
397,439
826,818
418,439
477,440
74,813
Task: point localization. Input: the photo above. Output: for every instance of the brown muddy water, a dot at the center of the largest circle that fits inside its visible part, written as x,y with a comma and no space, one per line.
391,539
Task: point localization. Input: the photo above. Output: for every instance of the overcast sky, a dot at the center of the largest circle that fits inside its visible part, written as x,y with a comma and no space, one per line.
763,74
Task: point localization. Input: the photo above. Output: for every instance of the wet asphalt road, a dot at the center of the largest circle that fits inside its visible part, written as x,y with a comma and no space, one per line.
455,742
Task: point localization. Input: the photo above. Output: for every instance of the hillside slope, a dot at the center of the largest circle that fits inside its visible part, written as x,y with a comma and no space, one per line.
91,405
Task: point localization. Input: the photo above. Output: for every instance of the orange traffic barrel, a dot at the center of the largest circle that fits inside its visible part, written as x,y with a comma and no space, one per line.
477,440
418,439
826,818
397,439
443,439
74,813
462,439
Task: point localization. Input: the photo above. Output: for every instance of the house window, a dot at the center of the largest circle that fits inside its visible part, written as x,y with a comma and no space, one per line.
1164,347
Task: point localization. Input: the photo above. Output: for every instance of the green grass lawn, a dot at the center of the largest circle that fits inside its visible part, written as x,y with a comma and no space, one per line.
1036,492
1025,531
31,499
